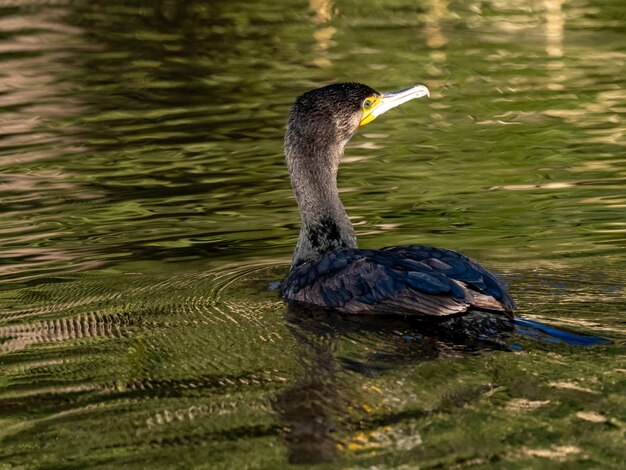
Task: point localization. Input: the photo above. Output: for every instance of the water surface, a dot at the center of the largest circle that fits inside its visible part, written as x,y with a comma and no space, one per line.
147,210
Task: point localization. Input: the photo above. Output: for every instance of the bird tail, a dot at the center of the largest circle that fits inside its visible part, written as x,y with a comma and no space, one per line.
550,334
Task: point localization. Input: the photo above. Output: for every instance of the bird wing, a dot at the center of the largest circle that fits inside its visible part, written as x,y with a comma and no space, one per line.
459,268
400,280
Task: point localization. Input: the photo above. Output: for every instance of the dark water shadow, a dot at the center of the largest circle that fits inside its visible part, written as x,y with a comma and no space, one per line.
312,409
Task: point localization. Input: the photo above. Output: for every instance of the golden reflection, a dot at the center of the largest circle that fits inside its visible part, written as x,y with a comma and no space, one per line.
436,40
323,10
555,453
401,438
20,336
592,416
611,202
524,404
606,107
554,27
435,37
526,187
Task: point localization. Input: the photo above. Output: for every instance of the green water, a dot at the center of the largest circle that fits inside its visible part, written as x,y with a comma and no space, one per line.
146,209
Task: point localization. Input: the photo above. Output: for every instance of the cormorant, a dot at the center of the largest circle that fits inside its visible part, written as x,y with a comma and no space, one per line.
328,269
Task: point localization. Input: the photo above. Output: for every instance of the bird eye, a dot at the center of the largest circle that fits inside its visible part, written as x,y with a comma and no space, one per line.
367,104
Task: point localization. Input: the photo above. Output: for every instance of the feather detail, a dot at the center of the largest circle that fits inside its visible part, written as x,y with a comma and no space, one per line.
406,280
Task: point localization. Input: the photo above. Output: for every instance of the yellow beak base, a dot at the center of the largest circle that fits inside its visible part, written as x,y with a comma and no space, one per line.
368,114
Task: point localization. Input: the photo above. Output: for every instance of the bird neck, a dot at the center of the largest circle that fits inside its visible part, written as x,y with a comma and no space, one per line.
325,224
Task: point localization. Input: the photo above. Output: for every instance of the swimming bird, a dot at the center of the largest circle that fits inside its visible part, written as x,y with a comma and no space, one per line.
328,269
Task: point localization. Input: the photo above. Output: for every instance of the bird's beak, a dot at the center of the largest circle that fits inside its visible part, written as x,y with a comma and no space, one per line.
392,99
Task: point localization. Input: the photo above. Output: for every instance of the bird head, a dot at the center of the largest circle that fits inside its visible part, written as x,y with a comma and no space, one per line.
332,114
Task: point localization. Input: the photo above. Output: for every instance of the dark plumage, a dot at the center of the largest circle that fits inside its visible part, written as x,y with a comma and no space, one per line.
409,280
328,269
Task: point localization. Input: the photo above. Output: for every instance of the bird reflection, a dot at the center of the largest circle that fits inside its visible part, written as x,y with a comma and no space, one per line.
307,408
323,399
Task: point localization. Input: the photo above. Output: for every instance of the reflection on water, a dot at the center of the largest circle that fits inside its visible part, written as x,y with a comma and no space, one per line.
323,35
435,36
554,27
146,208
323,405
324,415
307,407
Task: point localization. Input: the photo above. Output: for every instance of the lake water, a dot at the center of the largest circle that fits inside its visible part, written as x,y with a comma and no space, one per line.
146,211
